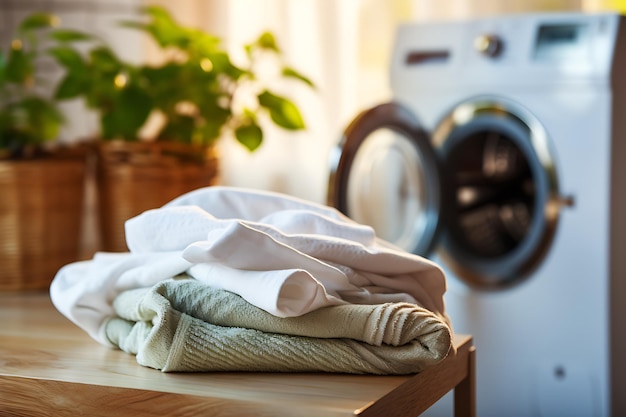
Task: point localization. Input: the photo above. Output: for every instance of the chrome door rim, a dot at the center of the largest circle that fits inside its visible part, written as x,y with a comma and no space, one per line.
519,263
396,117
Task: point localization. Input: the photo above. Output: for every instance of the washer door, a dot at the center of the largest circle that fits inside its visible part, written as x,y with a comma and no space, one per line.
385,174
501,192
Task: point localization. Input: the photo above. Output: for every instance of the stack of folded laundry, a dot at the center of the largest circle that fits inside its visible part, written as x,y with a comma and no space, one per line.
231,279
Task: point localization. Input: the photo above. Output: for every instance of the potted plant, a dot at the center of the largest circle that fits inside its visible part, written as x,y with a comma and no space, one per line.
195,96
41,185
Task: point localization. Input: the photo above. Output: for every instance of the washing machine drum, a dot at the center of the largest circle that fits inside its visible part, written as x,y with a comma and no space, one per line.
480,192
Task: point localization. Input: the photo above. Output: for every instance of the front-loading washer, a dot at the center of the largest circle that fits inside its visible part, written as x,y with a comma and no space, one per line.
502,156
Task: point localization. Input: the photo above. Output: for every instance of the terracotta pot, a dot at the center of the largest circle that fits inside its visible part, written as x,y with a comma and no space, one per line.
133,177
41,208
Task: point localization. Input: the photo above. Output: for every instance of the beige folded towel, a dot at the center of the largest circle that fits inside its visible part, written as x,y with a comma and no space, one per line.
184,325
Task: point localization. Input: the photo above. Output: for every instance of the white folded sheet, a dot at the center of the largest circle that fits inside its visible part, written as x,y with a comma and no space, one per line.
284,255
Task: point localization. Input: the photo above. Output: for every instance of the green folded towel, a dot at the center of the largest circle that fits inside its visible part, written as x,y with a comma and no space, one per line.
184,325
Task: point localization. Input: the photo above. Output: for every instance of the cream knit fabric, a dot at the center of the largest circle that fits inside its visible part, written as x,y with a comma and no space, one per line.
184,325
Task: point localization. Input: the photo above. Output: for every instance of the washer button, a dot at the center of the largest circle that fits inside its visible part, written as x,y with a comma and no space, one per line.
489,45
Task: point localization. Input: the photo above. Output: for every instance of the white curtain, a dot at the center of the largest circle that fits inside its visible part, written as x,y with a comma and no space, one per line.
319,39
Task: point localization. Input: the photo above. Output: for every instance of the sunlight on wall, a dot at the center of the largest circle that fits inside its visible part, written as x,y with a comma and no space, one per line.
445,9
598,5
618,5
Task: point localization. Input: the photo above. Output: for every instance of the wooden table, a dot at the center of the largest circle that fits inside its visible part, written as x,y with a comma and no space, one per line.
49,367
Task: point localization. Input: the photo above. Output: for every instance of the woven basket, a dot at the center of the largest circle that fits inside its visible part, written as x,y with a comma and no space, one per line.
40,219
137,176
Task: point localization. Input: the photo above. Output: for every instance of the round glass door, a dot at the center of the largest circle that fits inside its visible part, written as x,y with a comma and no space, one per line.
501,192
386,176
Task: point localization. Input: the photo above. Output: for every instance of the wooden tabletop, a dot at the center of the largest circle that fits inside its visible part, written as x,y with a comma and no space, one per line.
49,367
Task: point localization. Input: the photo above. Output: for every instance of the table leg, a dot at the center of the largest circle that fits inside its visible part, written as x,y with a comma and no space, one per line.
465,392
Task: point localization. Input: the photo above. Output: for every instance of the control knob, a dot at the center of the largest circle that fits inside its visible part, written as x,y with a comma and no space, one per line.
489,45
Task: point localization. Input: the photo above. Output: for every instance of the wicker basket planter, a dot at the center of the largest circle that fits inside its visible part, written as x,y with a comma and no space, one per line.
133,177
40,219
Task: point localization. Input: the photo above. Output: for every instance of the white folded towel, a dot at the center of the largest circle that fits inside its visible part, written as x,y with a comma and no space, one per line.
282,254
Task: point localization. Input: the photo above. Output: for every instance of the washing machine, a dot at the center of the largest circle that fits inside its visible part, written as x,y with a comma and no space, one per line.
502,156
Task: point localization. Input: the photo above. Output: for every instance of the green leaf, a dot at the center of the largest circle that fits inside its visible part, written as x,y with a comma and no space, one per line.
46,118
165,31
75,81
250,136
222,64
204,43
69,35
134,107
250,114
179,128
20,67
160,14
127,115
267,41
105,59
282,111
3,66
68,57
71,86
208,132
164,77
292,73
133,25
38,119
108,125
37,21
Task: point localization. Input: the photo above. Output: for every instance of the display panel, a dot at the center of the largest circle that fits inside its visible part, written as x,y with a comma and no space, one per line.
562,42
